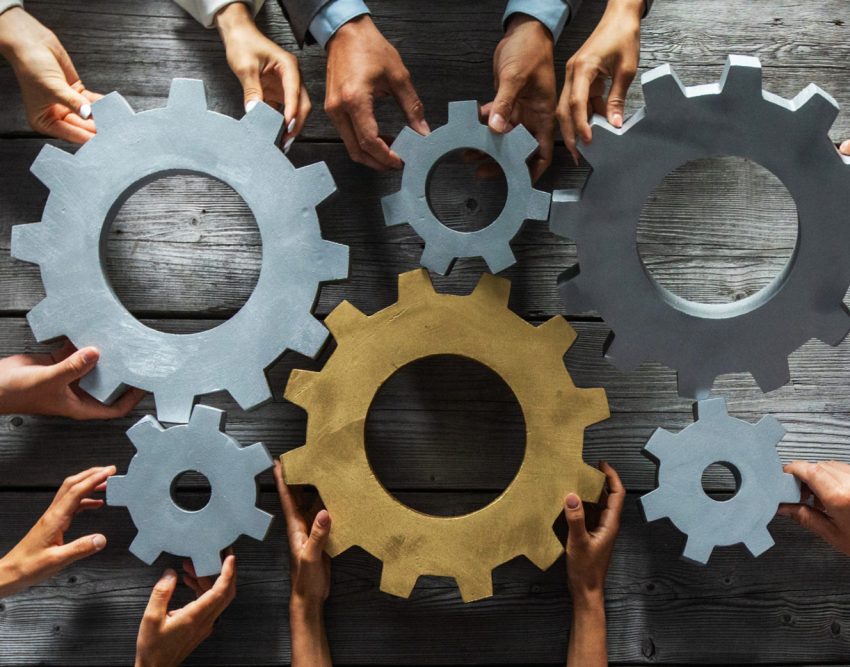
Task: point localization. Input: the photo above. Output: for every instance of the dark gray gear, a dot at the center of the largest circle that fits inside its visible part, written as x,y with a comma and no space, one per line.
161,456
88,188
701,341
444,245
750,452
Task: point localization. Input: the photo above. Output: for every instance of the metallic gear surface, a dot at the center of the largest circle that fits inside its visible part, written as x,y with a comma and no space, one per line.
749,450
702,341
444,245
479,327
161,456
87,190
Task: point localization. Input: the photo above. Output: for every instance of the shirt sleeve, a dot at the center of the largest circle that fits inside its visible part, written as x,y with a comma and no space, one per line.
333,16
8,4
554,14
204,11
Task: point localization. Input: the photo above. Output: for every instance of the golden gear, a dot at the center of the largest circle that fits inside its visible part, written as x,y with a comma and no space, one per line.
479,327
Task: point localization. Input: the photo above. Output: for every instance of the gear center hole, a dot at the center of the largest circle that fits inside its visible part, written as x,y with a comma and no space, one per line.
183,246
467,190
721,481
440,425
717,230
190,491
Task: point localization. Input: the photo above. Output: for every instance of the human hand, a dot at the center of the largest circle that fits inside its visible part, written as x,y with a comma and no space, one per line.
47,384
266,71
589,550
827,483
56,101
845,147
363,66
166,637
524,78
612,51
43,551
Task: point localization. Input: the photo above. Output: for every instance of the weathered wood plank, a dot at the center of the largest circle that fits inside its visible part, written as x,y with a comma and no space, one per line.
784,607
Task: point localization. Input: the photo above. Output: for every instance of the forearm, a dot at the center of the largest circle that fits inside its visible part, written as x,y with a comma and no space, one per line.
588,634
307,630
11,577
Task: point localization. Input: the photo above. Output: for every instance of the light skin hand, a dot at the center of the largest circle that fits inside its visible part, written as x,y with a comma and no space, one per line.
47,384
266,71
310,576
166,638
56,101
589,549
524,78
43,552
845,147
827,483
611,52
362,67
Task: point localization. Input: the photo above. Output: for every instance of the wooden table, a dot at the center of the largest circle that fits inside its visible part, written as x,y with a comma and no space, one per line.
443,435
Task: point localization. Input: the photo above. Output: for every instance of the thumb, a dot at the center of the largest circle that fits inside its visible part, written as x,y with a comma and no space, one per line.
811,519
574,511
503,105
75,366
616,107
80,548
76,101
845,147
318,537
161,595
251,87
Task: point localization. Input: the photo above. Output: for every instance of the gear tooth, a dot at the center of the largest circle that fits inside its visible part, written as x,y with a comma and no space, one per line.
406,143
697,551
309,337
574,296
206,564
493,290
299,386
264,122
297,466
103,384
256,524
559,332
693,384
256,458
29,242
521,142
475,586
742,78
110,112
337,544
819,106
770,429
591,481
395,209
397,579
662,88
334,262
143,549
595,409
759,541
464,112
345,319
415,285
174,407
251,390
563,218
832,326
709,408
601,143
316,178
500,258
44,322
545,552
789,489
52,166
144,432
437,259
187,96
207,418
653,505
538,206
660,445
772,375
622,352
118,491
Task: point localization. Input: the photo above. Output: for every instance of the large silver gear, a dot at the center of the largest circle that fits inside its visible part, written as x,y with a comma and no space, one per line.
731,117
444,245
161,456
88,188
749,450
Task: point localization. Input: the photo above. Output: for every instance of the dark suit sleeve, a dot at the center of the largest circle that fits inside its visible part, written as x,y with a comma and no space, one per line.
300,13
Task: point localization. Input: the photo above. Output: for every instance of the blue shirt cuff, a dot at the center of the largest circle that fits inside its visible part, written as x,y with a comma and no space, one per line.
333,16
554,14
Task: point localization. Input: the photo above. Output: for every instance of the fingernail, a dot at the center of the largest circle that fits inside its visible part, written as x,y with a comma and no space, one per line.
618,119
845,147
99,541
572,501
323,519
497,123
85,111
291,125
170,574
288,144
90,355
250,104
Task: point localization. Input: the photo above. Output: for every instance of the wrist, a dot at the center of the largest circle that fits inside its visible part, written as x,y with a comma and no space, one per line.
635,8
529,27
352,30
306,610
587,597
11,32
11,577
233,18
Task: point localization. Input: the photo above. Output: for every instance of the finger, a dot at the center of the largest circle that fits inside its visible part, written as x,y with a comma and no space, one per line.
67,132
574,512
71,499
507,89
88,504
407,98
349,138
845,147
811,519
73,367
616,107
252,87
217,598
616,497
126,402
78,549
579,99
296,527
365,127
542,158
318,539
818,477
192,583
297,124
160,597
565,120
290,79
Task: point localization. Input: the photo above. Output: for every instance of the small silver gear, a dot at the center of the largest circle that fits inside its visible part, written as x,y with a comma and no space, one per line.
162,455
702,341
88,188
444,245
750,452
